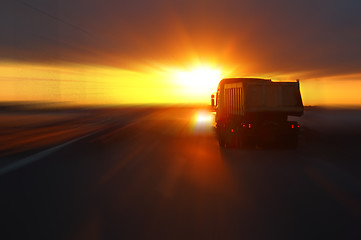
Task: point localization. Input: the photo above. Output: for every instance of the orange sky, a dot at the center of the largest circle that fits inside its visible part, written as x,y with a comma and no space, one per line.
175,51
85,84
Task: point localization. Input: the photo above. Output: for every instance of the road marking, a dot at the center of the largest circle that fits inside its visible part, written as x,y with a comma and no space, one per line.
37,156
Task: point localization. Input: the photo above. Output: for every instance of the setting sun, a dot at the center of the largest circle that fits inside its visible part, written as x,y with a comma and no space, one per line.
200,80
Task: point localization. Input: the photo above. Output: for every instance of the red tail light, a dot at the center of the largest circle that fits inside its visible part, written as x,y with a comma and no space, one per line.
292,125
232,130
249,125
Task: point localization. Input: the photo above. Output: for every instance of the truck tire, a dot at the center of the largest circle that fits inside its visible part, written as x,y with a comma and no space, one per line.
220,136
231,137
241,141
221,143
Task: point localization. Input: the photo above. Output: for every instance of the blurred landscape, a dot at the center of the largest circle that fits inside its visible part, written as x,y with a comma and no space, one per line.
28,125
156,171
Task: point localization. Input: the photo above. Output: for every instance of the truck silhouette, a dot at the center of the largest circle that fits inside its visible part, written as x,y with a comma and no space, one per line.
255,111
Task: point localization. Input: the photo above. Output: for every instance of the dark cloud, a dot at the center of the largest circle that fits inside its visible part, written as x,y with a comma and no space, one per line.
321,36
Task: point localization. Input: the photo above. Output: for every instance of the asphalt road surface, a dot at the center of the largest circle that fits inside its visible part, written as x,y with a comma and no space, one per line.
160,174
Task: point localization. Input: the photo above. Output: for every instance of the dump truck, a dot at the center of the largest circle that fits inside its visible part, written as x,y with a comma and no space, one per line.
254,111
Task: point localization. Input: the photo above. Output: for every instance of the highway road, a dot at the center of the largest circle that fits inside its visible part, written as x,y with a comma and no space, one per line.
158,173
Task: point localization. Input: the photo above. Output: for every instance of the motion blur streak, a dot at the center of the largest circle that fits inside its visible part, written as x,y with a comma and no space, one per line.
93,84
157,172
37,125
85,84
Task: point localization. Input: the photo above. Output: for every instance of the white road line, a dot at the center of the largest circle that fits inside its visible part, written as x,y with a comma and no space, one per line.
33,158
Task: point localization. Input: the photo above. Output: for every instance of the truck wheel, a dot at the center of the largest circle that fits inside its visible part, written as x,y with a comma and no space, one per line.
241,141
231,138
221,143
220,135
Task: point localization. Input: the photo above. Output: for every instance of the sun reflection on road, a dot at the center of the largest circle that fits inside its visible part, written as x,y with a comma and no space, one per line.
202,121
203,118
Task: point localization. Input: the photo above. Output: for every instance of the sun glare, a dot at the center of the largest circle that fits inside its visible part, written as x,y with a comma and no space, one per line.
200,80
202,121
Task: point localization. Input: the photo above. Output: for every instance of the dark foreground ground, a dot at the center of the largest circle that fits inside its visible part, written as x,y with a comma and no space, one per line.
158,173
